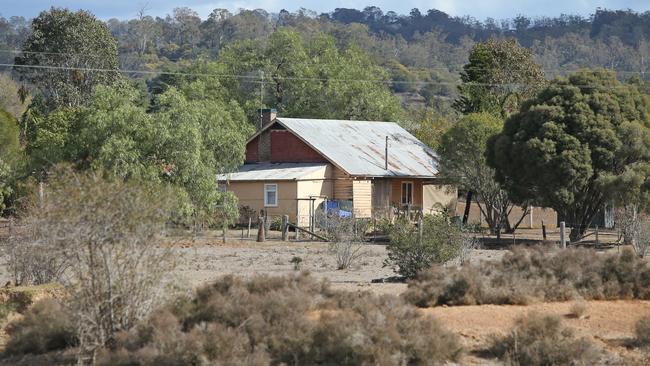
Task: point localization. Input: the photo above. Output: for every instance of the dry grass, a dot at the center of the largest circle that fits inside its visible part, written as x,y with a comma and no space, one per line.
642,331
291,320
537,274
45,327
538,339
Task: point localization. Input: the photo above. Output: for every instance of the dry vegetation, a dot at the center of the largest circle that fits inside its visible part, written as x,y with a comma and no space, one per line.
284,320
98,238
534,275
538,340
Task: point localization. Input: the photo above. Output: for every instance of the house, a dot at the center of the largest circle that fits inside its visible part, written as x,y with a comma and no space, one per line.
296,166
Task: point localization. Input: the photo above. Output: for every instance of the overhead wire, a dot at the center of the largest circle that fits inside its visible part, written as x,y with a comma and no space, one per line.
450,68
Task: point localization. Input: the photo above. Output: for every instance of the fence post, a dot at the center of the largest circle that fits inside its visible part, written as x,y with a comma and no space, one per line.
597,241
420,229
248,233
285,227
260,229
543,231
562,238
11,228
224,229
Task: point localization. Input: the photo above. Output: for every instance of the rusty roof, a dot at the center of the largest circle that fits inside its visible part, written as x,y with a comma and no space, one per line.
273,171
358,147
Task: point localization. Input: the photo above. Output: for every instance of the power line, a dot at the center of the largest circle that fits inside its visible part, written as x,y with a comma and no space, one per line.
449,68
257,79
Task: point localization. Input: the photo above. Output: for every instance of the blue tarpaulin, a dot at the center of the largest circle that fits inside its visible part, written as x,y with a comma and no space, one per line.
333,208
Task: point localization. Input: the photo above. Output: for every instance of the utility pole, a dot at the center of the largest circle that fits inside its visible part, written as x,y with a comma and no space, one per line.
386,155
261,98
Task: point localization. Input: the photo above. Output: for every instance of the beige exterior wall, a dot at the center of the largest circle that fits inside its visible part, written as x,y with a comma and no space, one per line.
546,215
435,197
317,184
362,193
251,194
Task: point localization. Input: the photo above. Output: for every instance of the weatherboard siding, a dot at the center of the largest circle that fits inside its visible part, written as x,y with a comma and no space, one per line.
342,185
362,198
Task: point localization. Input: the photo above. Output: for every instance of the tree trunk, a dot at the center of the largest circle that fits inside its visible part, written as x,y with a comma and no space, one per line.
468,203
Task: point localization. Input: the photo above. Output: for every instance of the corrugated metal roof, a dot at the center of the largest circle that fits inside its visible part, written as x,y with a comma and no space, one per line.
273,171
358,147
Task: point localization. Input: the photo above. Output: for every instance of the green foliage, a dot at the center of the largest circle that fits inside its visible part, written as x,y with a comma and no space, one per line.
13,98
10,159
535,275
430,127
539,340
462,162
187,137
499,75
462,152
408,254
292,320
296,261
308,78
581,142
64,39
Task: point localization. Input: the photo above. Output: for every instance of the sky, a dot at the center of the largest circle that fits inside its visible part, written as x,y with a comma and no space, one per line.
479,9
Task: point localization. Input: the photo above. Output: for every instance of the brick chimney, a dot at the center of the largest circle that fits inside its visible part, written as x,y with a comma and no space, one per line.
266,115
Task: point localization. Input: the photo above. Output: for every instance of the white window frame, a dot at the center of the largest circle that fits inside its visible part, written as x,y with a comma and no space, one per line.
402,192
266,189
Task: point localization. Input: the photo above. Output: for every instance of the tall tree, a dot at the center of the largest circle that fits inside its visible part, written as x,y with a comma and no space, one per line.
10,158
308,78
187,137
576,146
463,162
13,98
67,55
499,76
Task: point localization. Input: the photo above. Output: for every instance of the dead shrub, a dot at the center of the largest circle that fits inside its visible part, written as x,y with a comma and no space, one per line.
45,327
578,309
347,236
291,320
538,339
642,331
528,275
107,232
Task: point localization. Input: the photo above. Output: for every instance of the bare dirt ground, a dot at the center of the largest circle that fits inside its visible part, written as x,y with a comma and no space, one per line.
609,324
207,258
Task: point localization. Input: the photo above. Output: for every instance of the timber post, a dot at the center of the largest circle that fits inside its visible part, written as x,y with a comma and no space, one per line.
261,237
285,227
562,233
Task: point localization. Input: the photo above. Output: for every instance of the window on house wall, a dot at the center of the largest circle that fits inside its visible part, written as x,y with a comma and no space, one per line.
222,187
407,193
270,195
